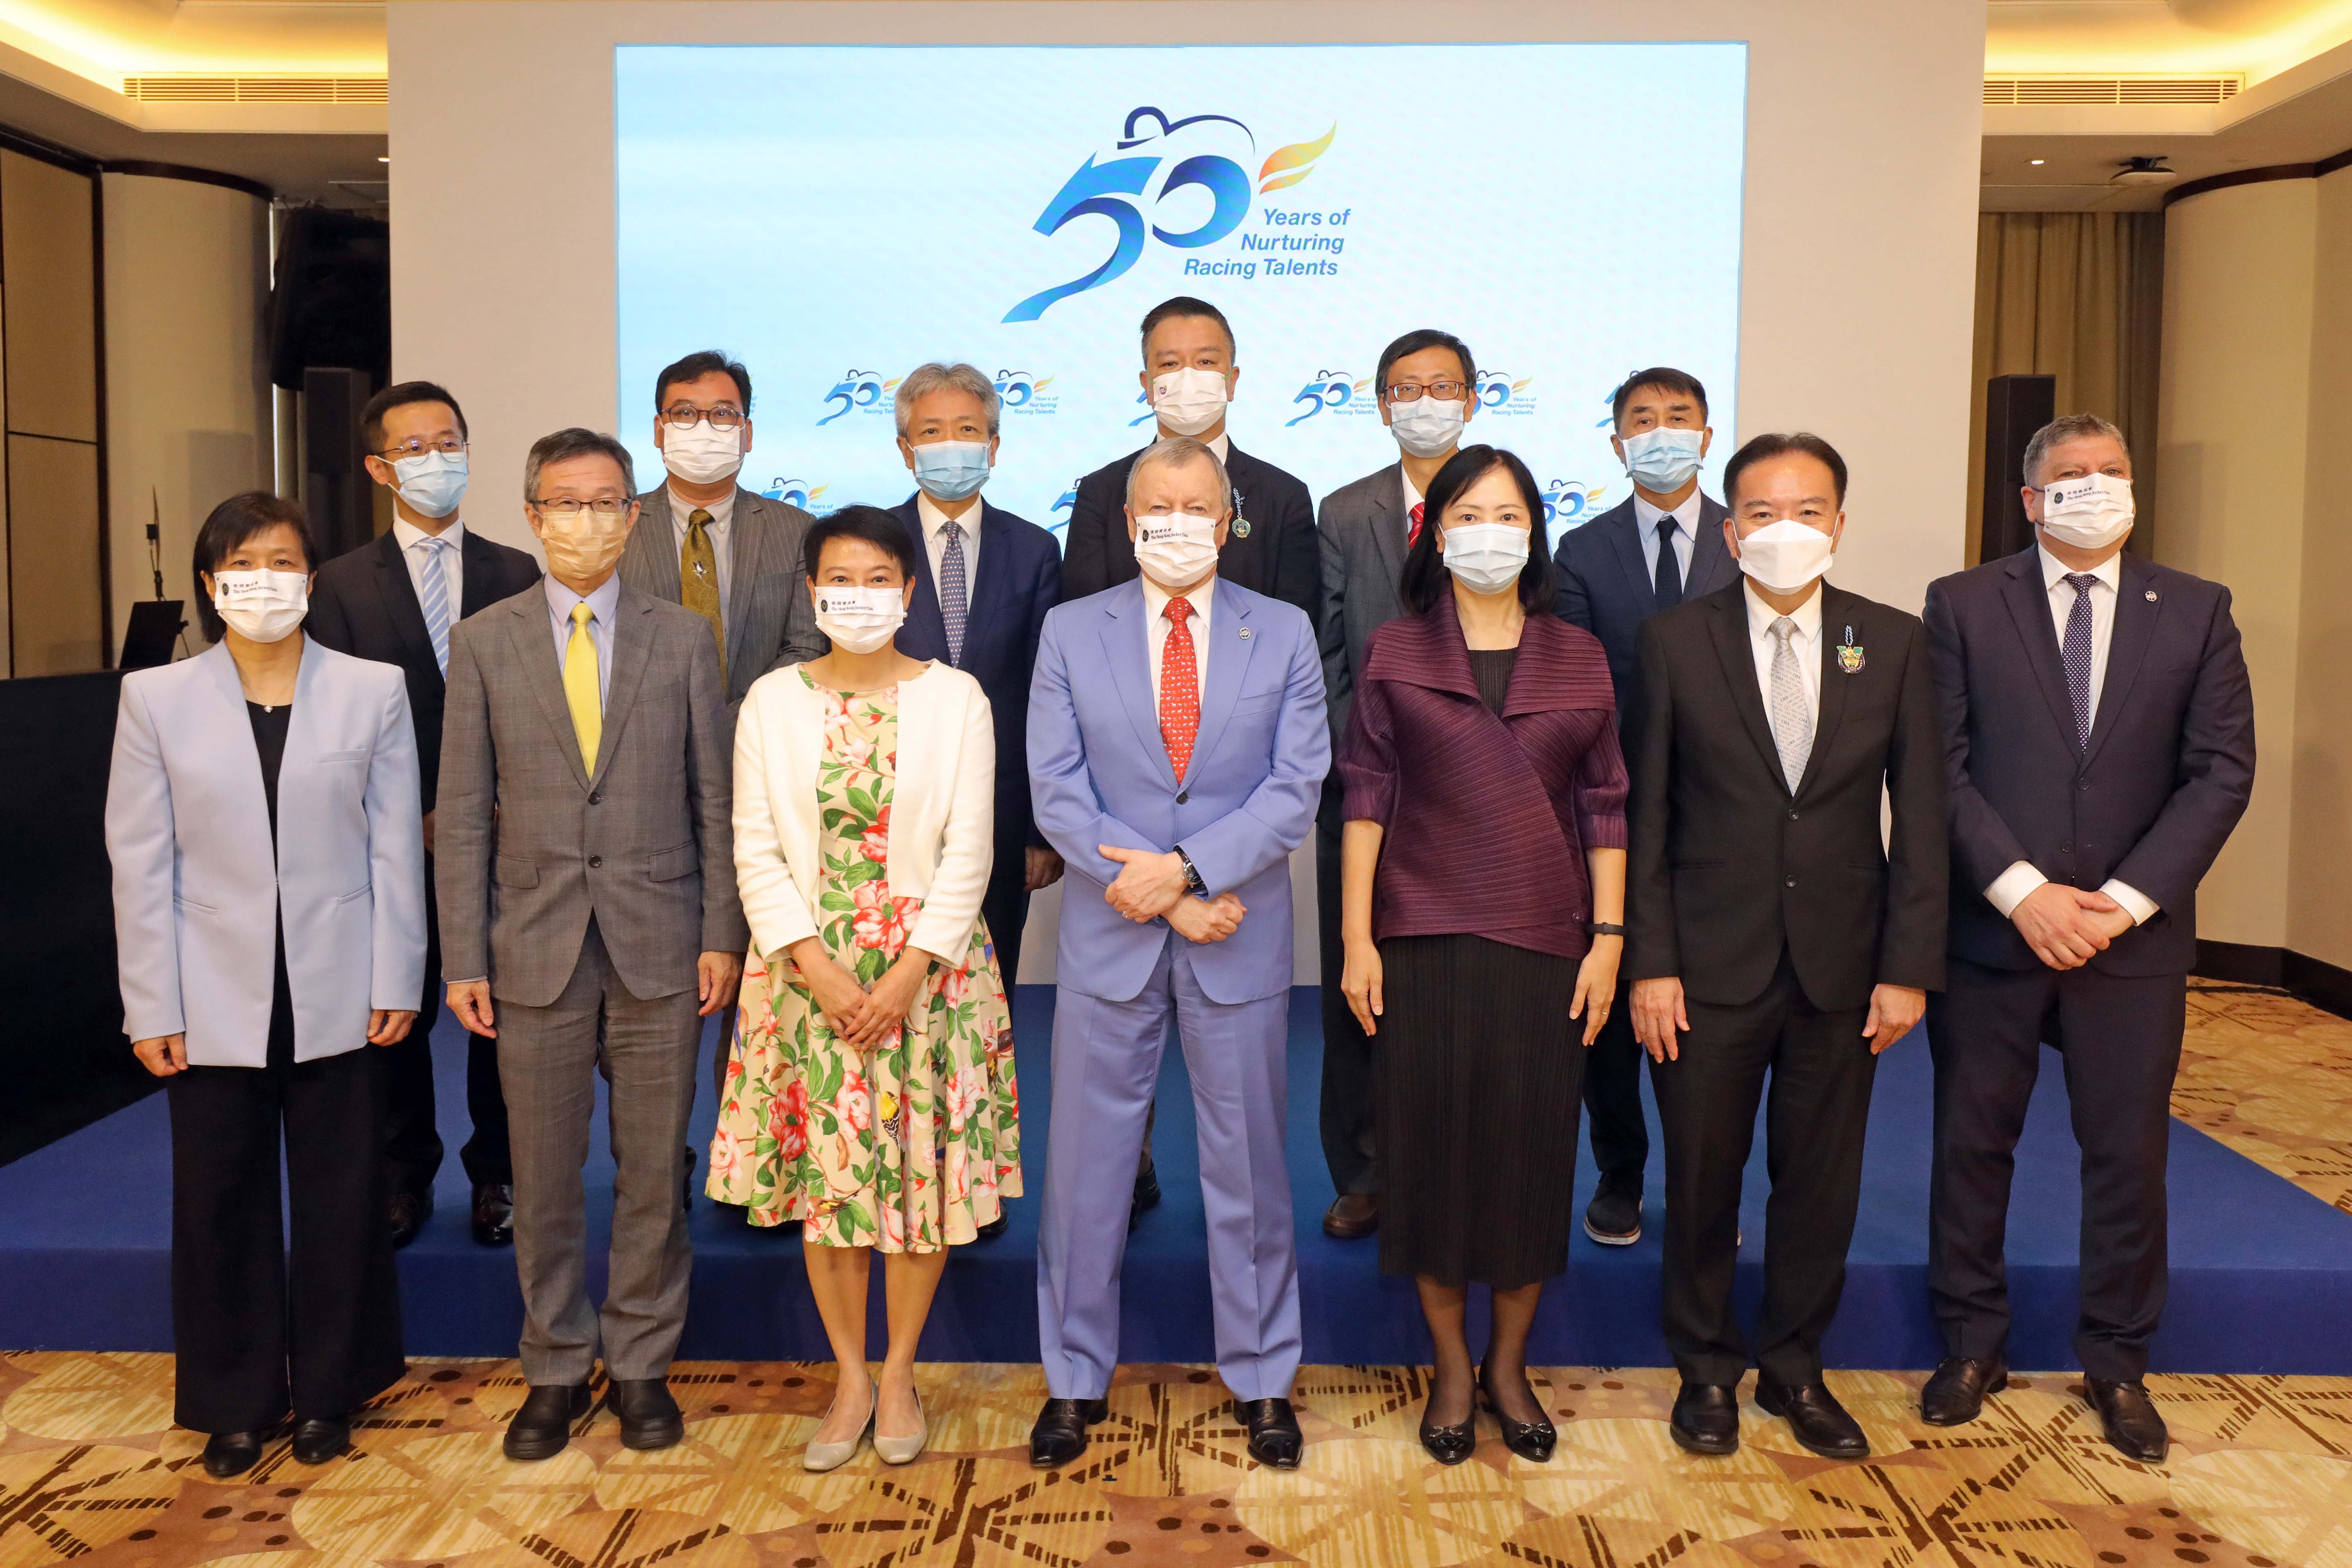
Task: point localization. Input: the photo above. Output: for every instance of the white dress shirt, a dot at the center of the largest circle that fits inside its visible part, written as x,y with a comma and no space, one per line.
722,551
2009,890
1805,645
408,536
935,542
1685,535
603,605
1155,602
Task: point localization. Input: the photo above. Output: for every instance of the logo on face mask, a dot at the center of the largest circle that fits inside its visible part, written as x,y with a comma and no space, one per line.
1128,186
860,389
1335,392
1567,502
794,492
1499,394
1019,391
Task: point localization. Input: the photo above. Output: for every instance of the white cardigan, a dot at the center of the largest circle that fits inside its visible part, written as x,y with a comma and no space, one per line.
942,811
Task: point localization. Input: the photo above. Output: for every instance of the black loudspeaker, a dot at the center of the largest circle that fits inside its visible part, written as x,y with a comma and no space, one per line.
2015,407
331,300
337,494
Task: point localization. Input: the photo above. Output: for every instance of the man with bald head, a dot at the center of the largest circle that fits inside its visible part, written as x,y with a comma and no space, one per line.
1177,748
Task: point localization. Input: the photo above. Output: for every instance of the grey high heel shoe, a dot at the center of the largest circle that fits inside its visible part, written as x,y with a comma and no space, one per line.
902,1450
820,1458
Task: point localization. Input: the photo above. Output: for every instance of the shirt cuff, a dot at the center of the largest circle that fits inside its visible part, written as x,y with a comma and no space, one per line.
2009,890
2138,905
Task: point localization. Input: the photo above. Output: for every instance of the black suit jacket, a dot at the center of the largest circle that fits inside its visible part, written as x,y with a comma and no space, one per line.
364,604
1605,588
2152,799
1729,867
1272,549
1020,578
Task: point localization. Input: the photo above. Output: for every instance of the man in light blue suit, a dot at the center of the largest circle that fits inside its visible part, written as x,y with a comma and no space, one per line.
1177,744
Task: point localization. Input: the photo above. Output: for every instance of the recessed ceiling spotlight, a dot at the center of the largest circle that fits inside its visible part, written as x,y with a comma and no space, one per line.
2037,163
386,159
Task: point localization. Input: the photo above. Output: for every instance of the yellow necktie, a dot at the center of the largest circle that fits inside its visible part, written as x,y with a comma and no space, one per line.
580,687
698,577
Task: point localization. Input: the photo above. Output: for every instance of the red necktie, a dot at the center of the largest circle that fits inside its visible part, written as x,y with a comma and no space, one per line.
1413,534
1180,687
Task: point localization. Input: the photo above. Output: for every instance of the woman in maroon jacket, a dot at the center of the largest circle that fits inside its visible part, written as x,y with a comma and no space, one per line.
1483,902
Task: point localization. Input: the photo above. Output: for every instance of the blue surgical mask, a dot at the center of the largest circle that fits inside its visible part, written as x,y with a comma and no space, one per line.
951,470
1663,460
431,482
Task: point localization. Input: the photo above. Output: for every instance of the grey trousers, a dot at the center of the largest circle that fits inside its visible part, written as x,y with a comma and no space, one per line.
548,1060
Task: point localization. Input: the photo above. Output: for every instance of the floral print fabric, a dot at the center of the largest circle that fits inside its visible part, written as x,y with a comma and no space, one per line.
908,1148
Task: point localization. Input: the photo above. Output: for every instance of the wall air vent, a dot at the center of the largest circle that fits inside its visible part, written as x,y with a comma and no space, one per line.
255,89
2110,90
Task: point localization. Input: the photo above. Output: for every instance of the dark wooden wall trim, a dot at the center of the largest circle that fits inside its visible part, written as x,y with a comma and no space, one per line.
2317,981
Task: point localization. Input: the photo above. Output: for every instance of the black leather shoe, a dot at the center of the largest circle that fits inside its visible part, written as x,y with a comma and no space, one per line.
1274,1439
318,1440
1613,1217
649,1416
1957,1392
1816,1417
2128,1416
1060,1434
230,1454
995,1227
1706,1418
406,1216
494,1214
1147,1195
1449,1444
1532,1441
1352,1216
542,1428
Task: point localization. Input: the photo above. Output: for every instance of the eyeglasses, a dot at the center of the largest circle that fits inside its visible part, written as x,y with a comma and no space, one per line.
685,416
1443,391
572,506
449,445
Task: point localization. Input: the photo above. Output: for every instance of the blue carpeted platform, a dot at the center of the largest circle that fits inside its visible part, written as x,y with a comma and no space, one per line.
2260,1270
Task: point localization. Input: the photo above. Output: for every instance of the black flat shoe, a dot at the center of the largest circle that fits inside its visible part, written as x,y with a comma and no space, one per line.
494,1214
1147,1197
1274,1439
1815,1417
542,1428
1955,1394
1449,1444
1060,1434
405,1216
1706,1418
2127,1417
318,1440
229,1453
1530,1440
1613,1217
649,1416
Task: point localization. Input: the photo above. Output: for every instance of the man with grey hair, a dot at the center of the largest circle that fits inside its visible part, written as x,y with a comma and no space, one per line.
2100,731
983,580
589,922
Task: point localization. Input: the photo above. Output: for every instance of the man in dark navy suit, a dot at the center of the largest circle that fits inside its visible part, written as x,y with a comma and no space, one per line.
2099,728
1660,545
983,582
393,601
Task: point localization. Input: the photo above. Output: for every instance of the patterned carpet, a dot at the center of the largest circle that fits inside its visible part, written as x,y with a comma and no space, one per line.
2261,1474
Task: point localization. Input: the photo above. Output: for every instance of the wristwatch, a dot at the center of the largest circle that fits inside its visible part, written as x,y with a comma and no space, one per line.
1191,875
1604,928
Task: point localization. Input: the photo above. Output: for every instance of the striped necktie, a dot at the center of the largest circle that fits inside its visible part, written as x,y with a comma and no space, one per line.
433,595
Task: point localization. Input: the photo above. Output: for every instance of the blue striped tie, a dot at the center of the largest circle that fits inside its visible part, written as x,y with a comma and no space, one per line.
434,598
954,597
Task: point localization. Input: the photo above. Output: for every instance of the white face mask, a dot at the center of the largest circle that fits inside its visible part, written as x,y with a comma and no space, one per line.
262,606
431,482
1486,557
1663,460
860,619
1188,402
2089,514
1784,556
1176,550
1427,427
701,455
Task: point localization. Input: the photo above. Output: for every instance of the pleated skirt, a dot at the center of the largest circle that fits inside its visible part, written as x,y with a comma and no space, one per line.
1480,1070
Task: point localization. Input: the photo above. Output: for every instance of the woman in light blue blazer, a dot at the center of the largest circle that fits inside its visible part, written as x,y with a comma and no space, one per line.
268,857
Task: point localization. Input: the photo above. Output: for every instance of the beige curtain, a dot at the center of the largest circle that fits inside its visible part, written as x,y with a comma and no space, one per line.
2079,296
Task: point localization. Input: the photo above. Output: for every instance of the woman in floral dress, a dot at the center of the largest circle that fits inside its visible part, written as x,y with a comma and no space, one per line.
871,1094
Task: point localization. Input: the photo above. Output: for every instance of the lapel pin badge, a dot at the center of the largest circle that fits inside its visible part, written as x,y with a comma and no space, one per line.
2151,596
1849,654
1245,632
1241,528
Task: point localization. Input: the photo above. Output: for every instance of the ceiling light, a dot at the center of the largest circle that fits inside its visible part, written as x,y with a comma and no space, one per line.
2037,163
2143,172
387,159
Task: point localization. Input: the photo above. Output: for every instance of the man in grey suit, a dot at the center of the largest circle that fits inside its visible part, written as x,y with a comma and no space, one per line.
1427,388
1615,572
587,886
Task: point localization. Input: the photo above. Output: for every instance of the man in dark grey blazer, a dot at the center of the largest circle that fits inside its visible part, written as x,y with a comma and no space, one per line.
1660,545
590,922
2099,728
1426,383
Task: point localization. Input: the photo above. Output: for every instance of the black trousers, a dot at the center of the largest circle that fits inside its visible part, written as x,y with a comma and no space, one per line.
2119,1038
1348,1062
1820,1069
254,1336
1006,907
1612,1097
413,1146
